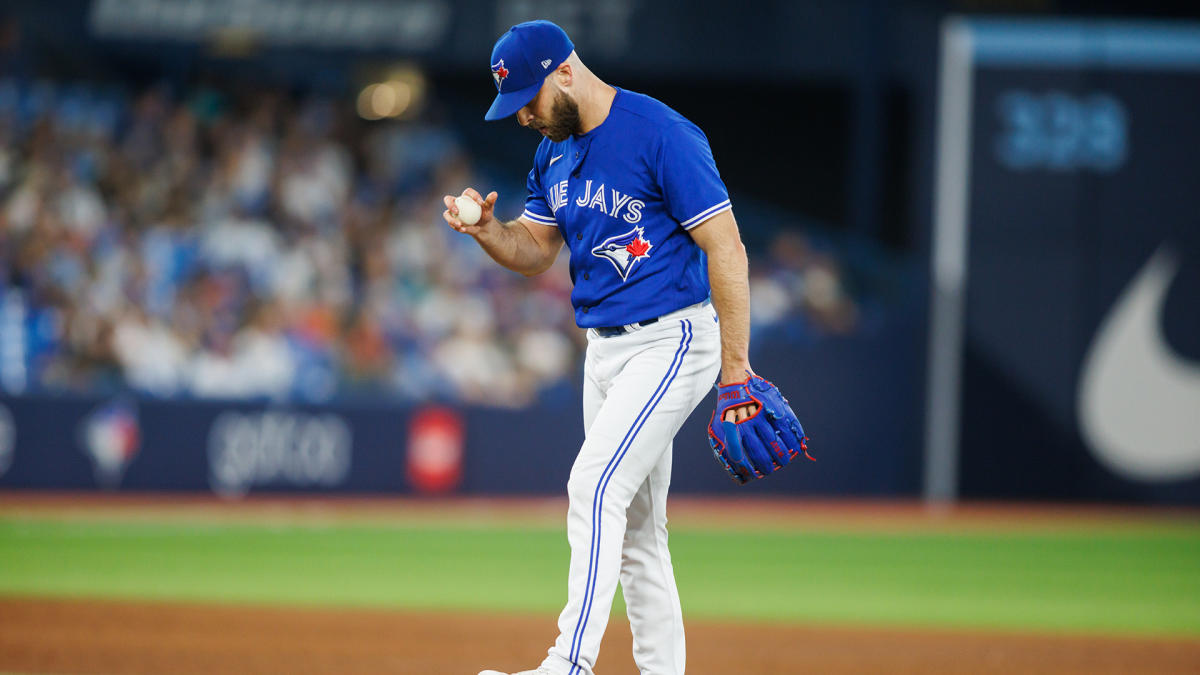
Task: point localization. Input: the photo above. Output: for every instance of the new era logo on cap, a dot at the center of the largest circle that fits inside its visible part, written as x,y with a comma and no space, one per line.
515,60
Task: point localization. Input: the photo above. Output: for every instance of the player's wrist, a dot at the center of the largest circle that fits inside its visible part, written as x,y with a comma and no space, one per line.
486,230
737,372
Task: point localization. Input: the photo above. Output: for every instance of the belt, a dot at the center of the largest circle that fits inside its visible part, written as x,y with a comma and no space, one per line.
613,331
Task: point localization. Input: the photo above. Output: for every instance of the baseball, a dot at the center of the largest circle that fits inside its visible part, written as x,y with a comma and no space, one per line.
468,210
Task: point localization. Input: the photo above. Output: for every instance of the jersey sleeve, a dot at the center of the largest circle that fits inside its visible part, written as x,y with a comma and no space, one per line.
692,187
536,208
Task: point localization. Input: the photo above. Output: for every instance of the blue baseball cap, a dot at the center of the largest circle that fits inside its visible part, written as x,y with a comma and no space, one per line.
521,60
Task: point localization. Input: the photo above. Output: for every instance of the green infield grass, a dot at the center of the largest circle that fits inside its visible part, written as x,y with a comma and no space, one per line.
1123,580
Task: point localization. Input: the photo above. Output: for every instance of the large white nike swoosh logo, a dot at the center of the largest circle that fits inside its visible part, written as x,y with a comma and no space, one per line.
554,159
1139,403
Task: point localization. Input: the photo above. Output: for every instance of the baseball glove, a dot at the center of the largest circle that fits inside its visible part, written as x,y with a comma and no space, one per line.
762,443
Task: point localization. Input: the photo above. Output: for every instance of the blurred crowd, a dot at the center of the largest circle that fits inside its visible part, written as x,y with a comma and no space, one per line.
217,245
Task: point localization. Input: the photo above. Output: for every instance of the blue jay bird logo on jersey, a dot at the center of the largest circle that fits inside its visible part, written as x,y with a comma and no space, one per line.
624,250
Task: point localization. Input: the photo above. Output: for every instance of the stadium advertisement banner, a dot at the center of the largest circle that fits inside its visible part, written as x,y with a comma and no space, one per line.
633,35
56,442
1081,328
234,449
231,449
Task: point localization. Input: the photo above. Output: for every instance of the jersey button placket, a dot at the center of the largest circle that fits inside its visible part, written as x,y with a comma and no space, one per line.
578,161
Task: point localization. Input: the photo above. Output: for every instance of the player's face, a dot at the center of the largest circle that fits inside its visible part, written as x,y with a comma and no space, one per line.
556,120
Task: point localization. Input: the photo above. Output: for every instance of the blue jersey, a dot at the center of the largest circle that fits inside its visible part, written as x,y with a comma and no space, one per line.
623,196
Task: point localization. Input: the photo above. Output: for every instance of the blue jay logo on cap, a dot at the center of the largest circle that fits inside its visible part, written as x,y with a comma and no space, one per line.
499,72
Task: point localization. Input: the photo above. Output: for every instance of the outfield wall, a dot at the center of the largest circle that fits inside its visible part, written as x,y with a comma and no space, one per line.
1065,333
854,395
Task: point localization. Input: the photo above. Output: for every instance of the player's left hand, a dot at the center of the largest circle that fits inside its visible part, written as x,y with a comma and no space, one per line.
755,444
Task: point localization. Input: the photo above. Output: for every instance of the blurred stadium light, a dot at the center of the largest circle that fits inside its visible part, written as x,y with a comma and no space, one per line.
401,94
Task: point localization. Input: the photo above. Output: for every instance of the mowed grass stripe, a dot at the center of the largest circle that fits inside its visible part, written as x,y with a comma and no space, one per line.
1080,583
351,566
1119,582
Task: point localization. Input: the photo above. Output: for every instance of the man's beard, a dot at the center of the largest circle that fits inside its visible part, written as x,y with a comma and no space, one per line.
564,119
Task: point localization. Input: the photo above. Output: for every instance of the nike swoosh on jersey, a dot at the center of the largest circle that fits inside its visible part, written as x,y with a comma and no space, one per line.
554,159
1139,402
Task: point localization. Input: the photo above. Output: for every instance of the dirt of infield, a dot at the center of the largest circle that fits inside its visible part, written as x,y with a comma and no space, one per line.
126,638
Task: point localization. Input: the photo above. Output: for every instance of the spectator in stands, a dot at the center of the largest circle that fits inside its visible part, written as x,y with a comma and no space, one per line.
221,246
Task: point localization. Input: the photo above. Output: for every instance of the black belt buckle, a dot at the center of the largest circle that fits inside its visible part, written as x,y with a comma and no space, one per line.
613,331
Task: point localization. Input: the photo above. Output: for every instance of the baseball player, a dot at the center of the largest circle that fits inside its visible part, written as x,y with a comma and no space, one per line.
631,187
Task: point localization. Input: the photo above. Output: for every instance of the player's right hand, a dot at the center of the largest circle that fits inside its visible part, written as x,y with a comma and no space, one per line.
485,216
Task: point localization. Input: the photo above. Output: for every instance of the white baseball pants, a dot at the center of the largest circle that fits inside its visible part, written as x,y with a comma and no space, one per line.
638,390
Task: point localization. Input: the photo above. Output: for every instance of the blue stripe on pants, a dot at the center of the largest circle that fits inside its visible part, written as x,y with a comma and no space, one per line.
606,475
